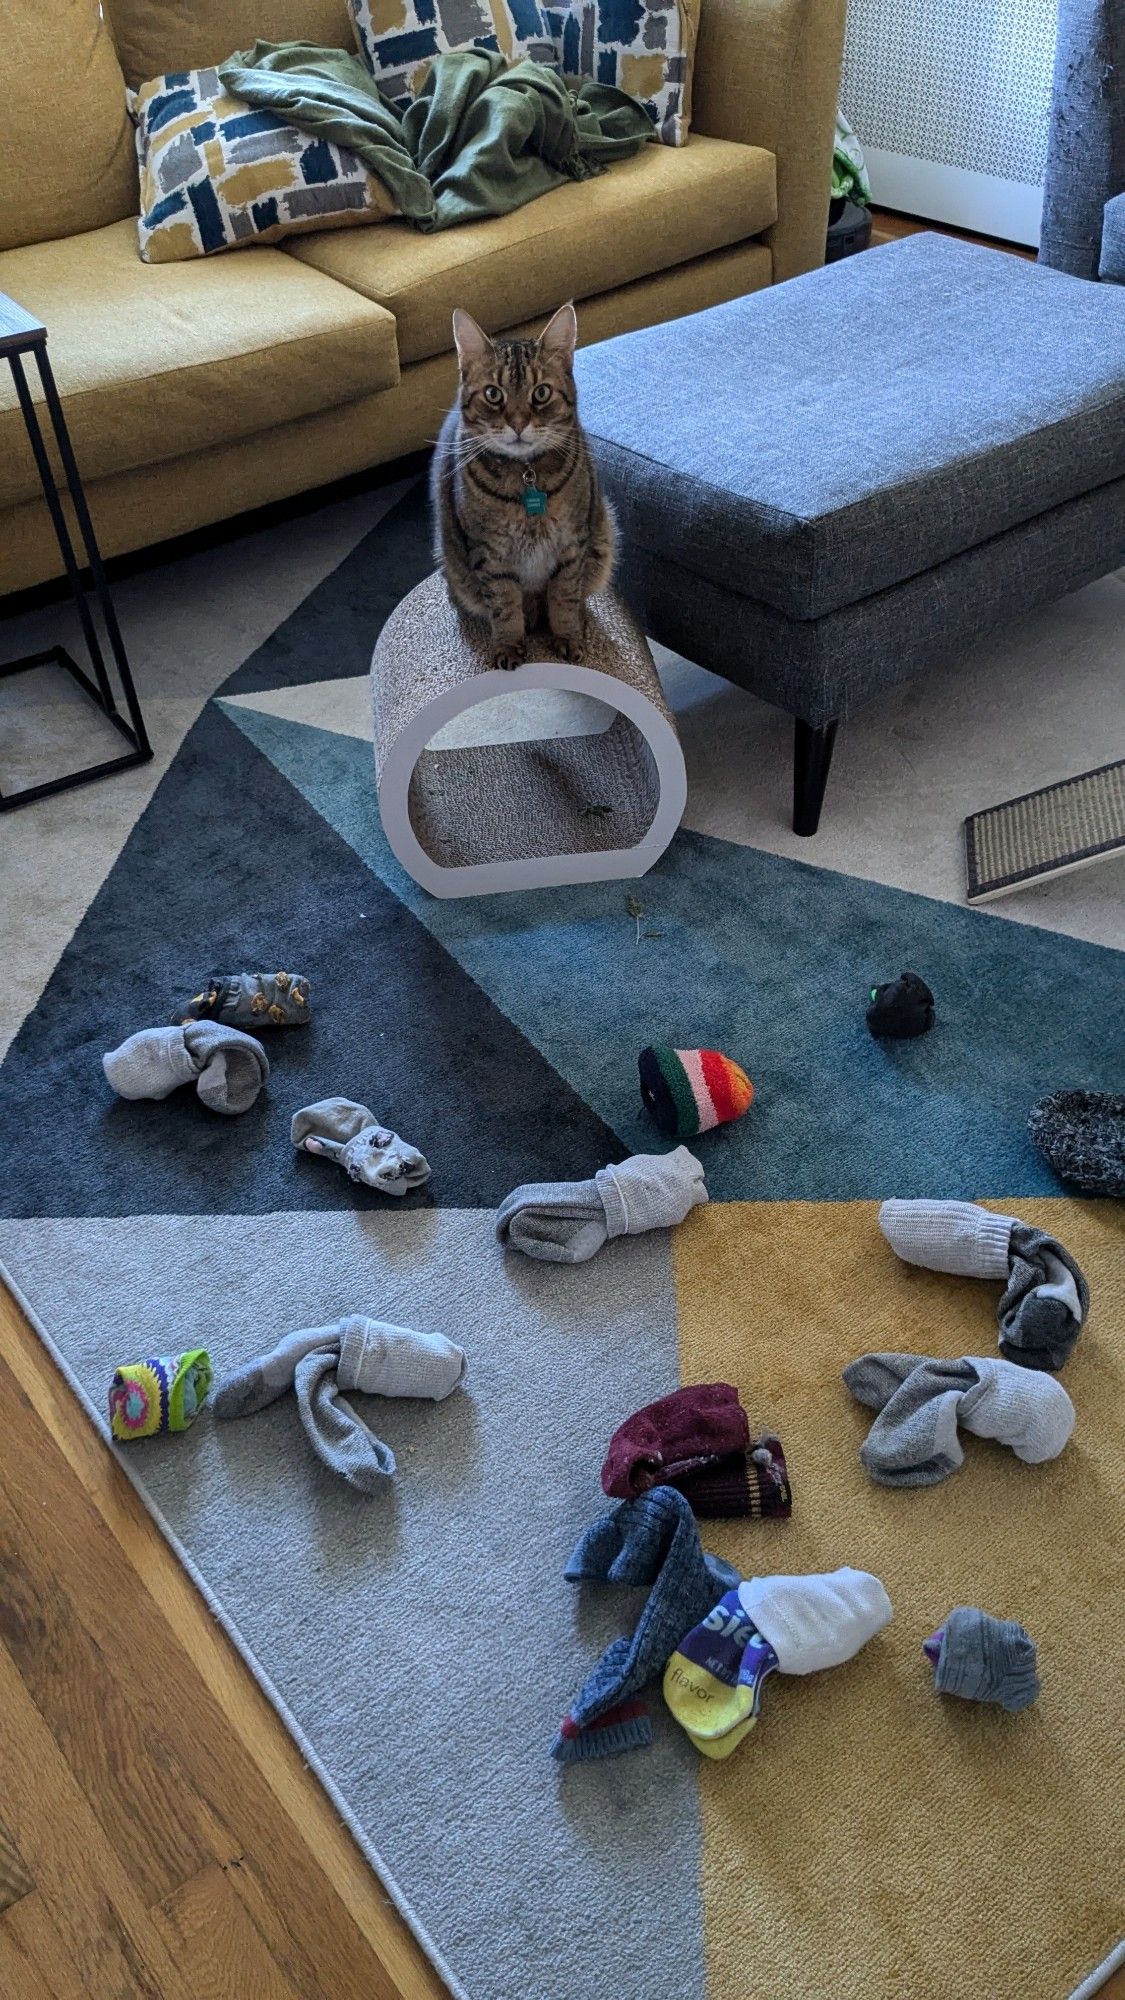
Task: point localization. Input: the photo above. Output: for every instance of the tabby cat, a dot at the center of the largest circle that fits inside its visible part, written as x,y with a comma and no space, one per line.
521,524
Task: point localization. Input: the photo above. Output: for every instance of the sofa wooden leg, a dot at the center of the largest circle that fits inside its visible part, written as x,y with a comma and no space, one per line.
812,754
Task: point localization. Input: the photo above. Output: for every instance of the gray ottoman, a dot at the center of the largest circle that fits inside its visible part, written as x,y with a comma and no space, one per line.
831,484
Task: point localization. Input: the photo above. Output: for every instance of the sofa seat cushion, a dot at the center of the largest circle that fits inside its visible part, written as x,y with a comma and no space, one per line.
863,423
647,214
155,360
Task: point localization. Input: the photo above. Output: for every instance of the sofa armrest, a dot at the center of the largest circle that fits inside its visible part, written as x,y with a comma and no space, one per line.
767,72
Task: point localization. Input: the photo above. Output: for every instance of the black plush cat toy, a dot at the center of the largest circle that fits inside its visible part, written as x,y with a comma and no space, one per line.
901,1009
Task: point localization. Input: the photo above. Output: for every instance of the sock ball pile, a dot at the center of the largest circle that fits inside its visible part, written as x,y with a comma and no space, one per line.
687,1091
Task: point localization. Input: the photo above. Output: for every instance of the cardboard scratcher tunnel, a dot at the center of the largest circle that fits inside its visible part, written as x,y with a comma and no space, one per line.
554,773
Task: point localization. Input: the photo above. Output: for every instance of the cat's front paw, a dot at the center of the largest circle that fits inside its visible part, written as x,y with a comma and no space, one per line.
568,645
512,654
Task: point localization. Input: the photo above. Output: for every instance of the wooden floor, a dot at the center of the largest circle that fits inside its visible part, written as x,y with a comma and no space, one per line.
887,225
159,1834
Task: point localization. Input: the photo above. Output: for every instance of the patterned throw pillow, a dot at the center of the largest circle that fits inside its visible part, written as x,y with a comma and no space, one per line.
398,39
646,47
216,174
643,46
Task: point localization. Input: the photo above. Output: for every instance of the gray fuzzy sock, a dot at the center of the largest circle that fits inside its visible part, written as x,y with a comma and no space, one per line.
567,1222
227,1067
921,1403
1046,1301
357,1353
1082,1134
981,1658
250,1000
369,1152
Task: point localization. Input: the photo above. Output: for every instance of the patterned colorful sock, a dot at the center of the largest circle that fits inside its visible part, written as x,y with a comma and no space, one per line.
713,1680
688,1091
165,1393
754,1483
758,1662
250,1000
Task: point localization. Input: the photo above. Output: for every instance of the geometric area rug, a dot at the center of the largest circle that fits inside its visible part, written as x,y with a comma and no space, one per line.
869,1841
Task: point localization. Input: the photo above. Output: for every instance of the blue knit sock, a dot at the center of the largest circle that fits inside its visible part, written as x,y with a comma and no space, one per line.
651,1540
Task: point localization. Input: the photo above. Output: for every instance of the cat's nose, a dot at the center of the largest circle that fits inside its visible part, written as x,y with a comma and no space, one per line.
518,424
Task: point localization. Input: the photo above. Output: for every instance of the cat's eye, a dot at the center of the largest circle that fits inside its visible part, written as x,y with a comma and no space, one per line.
541,394
493,394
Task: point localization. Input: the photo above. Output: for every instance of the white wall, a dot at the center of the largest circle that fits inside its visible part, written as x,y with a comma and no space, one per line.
950,100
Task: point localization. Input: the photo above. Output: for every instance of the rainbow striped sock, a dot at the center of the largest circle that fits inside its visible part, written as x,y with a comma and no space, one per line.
688,1091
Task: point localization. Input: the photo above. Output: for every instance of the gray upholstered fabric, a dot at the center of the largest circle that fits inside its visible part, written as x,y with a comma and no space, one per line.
817,442
823,667
1112,265
1086,136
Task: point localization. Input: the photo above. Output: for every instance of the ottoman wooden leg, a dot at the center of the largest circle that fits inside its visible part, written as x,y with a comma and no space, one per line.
812,754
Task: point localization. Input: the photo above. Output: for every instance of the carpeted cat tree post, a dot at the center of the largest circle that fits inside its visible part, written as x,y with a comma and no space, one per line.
552,774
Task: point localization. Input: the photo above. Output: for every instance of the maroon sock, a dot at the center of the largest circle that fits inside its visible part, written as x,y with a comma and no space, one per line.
753,1483
671,1438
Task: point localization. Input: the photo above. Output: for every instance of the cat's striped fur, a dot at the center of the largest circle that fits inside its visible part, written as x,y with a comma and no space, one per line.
514,425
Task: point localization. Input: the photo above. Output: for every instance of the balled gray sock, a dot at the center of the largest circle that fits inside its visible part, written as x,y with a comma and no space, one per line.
357,1353
921,1402
369,1152
1046,1298
1044,1307
567,1222
227,1067
250,1000
981,1658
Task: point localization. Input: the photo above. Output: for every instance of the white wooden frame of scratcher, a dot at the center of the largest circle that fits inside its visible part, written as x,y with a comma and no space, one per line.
545,871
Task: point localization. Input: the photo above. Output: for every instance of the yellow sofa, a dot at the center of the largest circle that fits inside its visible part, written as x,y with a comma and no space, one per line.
196,390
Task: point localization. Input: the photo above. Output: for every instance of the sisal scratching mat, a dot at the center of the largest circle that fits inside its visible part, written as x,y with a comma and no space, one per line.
554,773
1044,833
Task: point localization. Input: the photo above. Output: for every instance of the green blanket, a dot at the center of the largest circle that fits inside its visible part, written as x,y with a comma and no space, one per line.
480,139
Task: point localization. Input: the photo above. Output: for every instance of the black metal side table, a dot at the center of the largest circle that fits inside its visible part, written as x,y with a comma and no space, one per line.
20,334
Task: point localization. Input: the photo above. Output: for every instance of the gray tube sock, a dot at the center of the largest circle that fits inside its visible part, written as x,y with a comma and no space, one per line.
955,1236
342,1130
250,1000
986,1659
227,1067
568,1222
322,1362
1046,1301
921,1402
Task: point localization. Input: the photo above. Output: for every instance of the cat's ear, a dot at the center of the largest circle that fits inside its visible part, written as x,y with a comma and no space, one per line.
559,337
472,343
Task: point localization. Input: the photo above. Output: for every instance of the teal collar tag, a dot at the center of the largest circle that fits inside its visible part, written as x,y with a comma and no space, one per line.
534,498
